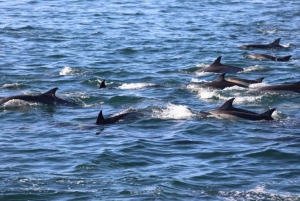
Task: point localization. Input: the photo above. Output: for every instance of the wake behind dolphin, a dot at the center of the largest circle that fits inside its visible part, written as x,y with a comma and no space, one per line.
217,67
227,111
48,98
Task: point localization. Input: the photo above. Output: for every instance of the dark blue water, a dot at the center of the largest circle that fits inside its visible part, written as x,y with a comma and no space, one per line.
148,53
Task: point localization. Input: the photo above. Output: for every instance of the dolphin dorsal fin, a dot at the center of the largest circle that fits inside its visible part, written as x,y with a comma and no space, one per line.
275,42
268,114
50,92
260,79
227,104
217,61
102,84
100,118
220,78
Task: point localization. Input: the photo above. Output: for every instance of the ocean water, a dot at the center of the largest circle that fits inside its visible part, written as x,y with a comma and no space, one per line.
148,53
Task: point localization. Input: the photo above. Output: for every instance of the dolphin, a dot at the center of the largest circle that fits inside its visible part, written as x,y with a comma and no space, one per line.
217,67
267,57
244,82
229,112
102,84
273,45
282,88
114,119
47,98
220,83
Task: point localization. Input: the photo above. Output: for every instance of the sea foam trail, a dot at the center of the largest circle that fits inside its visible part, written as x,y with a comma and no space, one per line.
225,94
136,85
15,103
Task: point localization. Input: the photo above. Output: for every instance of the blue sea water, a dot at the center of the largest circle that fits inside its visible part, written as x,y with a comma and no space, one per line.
148,52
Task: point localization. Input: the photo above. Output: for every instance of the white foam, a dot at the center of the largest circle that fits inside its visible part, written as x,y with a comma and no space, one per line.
173,112
136,85
204,93
208,94
257,85
233,88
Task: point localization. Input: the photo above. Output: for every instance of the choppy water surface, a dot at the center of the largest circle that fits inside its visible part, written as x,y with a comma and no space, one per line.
148,53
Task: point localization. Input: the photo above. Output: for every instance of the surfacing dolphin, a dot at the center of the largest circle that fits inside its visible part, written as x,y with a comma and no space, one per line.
217,67
227,111
244,82
282,88
221,83
267,57
275,44
114,119
48,98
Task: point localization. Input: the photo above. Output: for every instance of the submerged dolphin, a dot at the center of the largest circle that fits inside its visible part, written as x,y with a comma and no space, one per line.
102,84
220,83
282,88
48,98
229,112
274,44
129,115
217,67
244,82
267,57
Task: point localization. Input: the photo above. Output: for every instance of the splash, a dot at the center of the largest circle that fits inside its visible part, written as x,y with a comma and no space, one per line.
67,71
173,112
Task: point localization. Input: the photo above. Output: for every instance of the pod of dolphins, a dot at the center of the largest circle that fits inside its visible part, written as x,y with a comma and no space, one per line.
225,111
